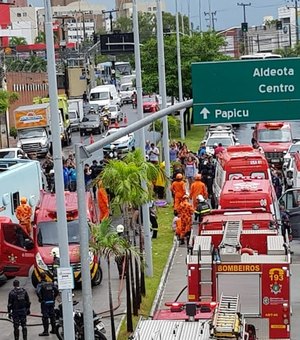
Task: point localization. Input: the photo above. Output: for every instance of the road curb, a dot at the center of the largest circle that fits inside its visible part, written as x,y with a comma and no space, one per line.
164,278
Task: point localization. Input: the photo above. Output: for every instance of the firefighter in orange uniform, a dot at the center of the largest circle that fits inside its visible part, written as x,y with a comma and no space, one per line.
102,201
178,190
23,214
197,188
186,212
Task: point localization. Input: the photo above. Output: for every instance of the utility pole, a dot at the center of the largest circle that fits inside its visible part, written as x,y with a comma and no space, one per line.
245,21
162,91
110,17
67,303
296,19
211,19
182,136
200,15
189,15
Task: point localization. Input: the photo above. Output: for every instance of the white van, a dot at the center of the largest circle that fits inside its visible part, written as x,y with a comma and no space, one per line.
104,95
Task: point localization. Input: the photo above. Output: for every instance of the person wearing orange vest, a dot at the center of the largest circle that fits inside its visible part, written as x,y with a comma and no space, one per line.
186,212
102,201
197,188
178,190
23,214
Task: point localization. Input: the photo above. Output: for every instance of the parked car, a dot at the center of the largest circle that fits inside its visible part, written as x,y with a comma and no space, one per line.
13,153
121,145
150,103
126,91
91,124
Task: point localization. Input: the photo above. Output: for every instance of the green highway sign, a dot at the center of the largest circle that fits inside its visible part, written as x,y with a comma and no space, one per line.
246,91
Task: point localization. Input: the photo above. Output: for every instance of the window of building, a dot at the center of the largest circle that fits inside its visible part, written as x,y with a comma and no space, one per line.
19,15
24,14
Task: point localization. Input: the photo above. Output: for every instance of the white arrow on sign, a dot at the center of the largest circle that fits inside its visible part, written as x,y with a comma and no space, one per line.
204,112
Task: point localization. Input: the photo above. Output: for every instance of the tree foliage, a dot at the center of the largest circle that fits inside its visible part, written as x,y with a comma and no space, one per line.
32,64
289,52
195,48
7,98
17,41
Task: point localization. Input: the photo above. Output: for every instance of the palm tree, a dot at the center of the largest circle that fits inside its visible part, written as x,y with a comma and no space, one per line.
6,98
17,41
107,243
40,38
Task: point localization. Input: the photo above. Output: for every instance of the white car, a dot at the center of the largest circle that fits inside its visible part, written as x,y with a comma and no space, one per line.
115,113
121,145
288,159
13,153
226,139
126,91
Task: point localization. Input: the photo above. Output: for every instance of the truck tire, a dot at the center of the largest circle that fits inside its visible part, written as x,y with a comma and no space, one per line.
98,277
34,280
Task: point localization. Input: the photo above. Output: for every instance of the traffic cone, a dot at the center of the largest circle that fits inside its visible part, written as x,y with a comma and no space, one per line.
116,123
125,119
92,139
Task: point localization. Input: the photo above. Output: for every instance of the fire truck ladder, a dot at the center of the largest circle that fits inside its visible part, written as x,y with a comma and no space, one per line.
226,322
232,233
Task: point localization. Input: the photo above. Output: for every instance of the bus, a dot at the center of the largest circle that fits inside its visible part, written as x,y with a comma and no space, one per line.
256,56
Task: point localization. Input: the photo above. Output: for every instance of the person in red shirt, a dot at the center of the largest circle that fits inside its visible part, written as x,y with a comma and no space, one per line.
219,148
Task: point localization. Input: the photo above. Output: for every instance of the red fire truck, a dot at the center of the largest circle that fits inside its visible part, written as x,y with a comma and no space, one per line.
275,139
19,252
242,253
197,320
241,160
249,193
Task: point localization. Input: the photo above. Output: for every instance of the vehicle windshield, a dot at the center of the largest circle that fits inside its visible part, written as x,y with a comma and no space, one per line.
294,148
278,136
48,233
7,154
99,96
112,108
126,87
72,115
149,99
31,133
226,141
92,118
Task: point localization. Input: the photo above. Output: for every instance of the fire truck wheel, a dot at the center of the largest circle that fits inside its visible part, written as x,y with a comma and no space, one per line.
98,277
34,280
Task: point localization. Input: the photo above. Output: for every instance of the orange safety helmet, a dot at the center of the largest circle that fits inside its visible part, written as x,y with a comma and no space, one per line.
179,176
23,200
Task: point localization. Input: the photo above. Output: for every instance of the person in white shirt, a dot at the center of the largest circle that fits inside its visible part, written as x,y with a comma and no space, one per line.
153,154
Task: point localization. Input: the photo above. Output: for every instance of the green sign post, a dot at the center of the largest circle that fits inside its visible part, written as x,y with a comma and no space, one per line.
246,91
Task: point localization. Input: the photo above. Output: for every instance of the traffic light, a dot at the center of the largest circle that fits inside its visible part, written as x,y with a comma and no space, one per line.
244,27
279,25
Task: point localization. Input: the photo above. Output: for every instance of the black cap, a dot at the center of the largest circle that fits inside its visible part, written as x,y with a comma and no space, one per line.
16,283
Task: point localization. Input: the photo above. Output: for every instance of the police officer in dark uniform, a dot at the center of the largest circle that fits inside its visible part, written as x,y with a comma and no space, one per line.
18,308
203,208
47,293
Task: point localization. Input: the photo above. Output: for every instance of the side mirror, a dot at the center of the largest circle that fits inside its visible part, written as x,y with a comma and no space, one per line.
28,244
5,199
49,132
111,97
252,127
32,201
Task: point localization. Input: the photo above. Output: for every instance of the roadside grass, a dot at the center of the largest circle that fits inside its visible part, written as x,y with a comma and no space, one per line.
160,252
194,137
161,246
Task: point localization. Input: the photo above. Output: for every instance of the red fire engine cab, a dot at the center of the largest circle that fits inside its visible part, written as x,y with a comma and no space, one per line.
249,193
19,251
275,139
239,161
236,254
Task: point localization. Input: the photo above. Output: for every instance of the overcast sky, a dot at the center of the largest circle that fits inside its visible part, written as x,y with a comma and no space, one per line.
228,14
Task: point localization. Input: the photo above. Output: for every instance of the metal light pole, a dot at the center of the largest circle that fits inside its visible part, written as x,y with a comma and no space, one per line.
162,91
182,136
200,15
58,173
87,298
141,132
